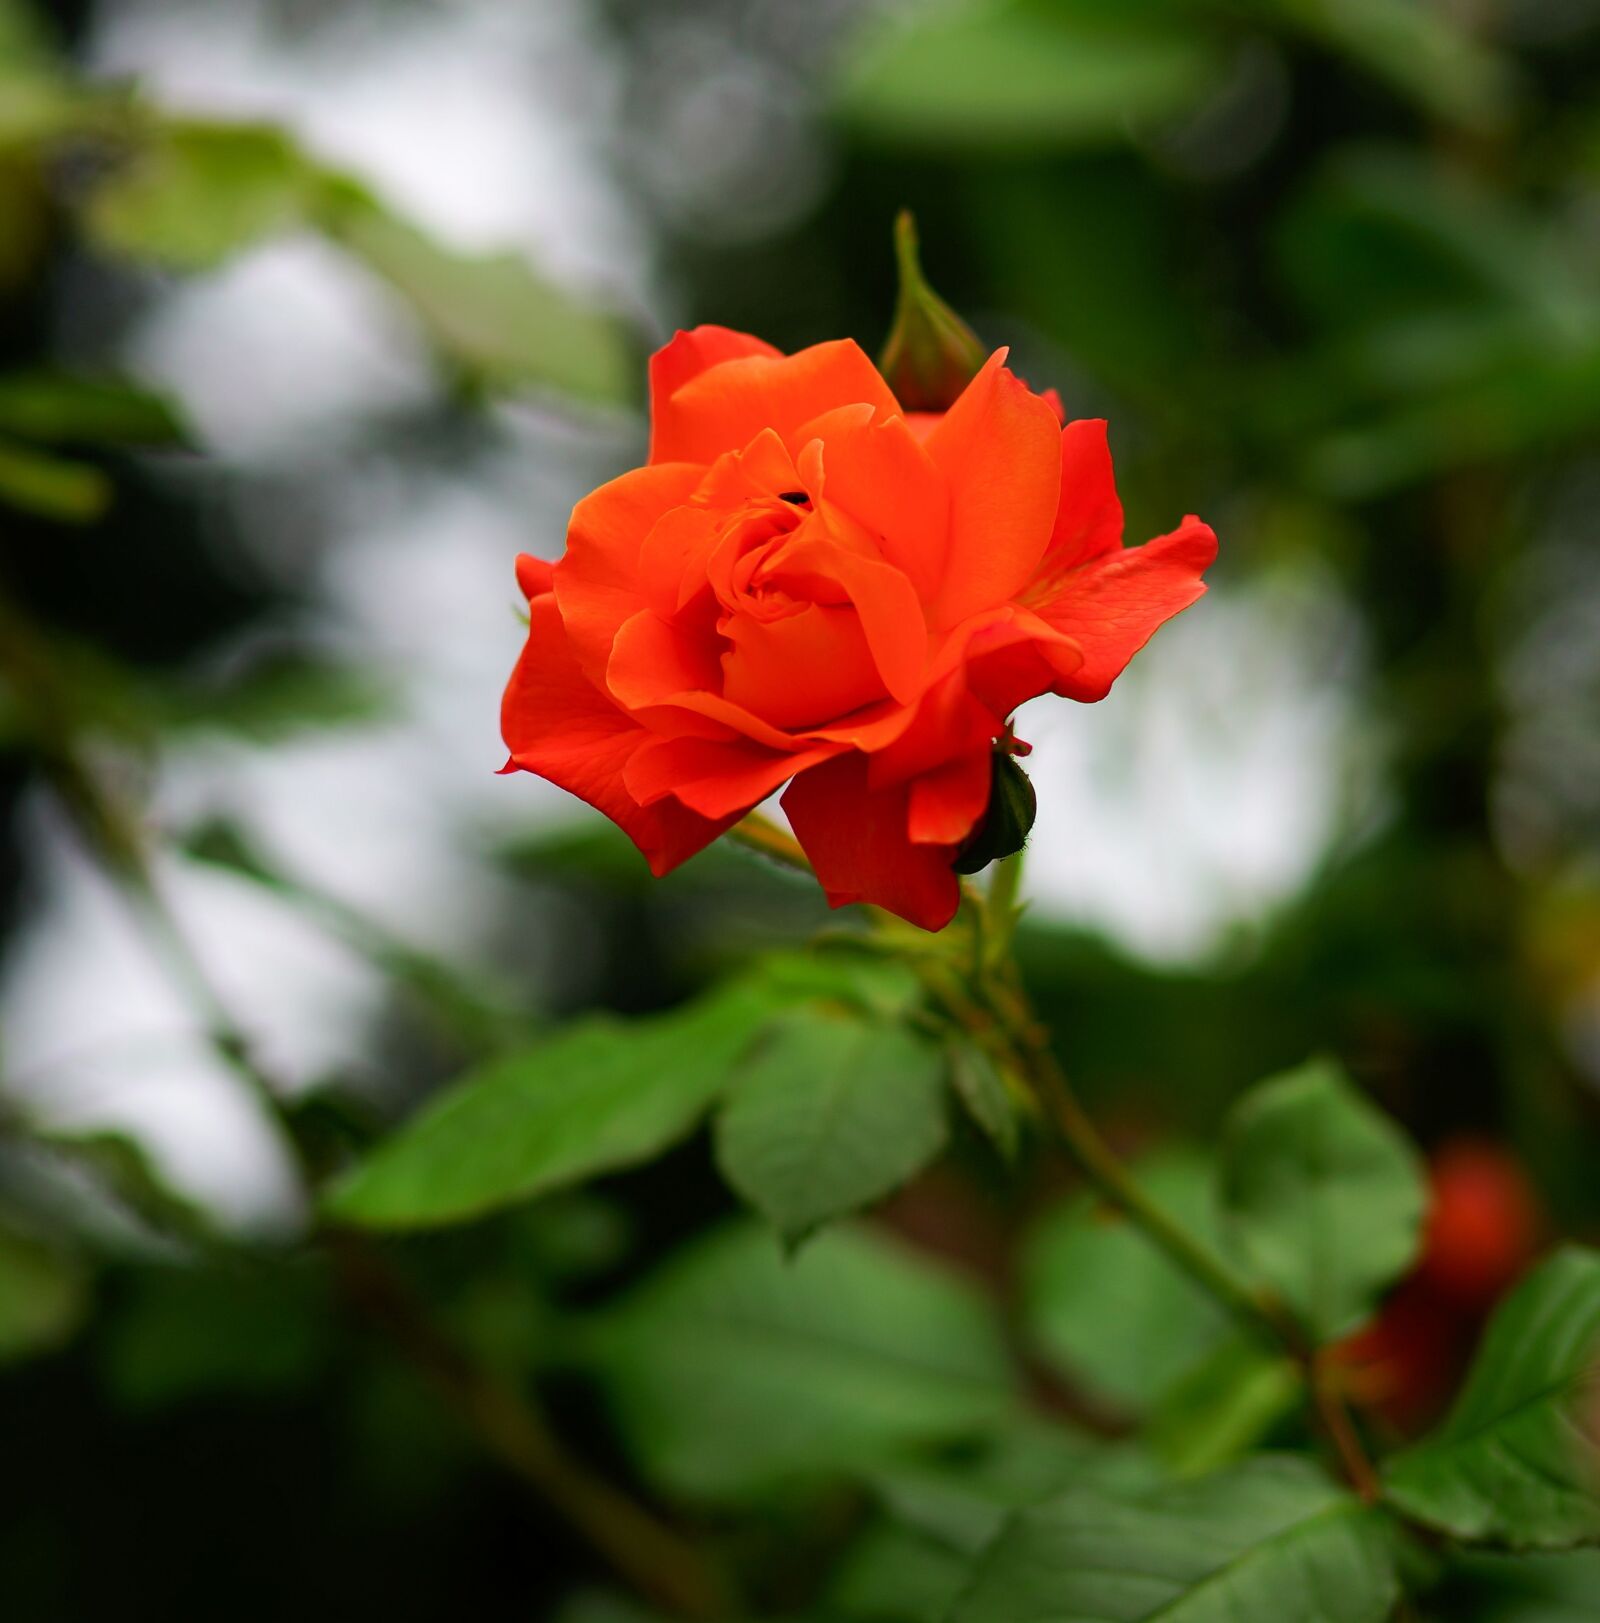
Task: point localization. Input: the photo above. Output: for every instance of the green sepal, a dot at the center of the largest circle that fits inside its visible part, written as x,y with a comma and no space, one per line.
1003,829
931,354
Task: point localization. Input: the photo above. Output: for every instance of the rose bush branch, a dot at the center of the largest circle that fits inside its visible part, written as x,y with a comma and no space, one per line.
988,1002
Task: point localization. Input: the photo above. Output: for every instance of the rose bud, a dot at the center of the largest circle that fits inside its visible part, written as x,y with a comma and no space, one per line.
931,354
1004,828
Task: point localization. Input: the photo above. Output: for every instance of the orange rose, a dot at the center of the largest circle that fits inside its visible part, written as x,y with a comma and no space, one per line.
807,583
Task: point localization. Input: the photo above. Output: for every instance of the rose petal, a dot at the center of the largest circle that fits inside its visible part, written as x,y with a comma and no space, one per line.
803,670
558,725
883,480
597,581
947,803
725,407
685,357
858,841
1089,515
671,680
949,722
1112,605
533,575
715,779
999,448
886,601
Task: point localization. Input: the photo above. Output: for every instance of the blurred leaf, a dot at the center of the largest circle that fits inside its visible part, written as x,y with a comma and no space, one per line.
492,316
185,1334
1418,48
843,976
36,102
37,107
1516,1462
1105,1306
1013,75
1083,251
94,411
192,194
570,1237
1223,1407
603,1095
70,492
24,44
1271,1538
827,1115
1381,232
1545,399
947,1512
892,1574
274,695
44,1296
1521,1589
982,1090
732,1369
123,1166
592,851
1323,1195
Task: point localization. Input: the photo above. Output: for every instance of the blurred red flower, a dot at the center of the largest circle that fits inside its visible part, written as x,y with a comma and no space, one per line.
807,582
1485,1226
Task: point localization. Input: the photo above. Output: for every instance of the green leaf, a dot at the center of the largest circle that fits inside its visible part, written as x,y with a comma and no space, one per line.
1012,76
1269,1539
70,492
43,1297
983,1093
892,1574
124,1166
1323,1196
843,976
1515,1462
827,1115
1223,1407
274,696
195,193
962,1499
1420,50
184,1334
492,316
96,411
1105,1306
732,1369
604,1095
1379,233
1482,1588
25,47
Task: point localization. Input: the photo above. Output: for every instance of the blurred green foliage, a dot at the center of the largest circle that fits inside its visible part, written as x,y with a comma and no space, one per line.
1330,268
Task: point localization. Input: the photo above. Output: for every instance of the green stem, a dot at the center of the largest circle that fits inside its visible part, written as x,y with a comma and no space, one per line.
757,833
1105,1169
1257,1311
1000,909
